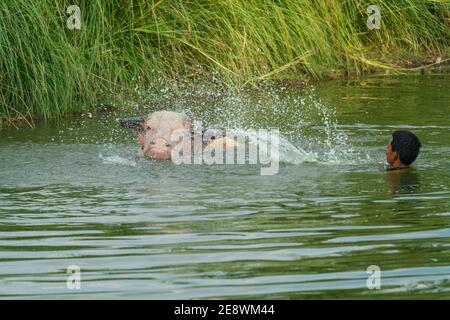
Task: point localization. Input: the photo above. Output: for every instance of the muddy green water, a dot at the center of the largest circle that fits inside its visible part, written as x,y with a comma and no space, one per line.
72,193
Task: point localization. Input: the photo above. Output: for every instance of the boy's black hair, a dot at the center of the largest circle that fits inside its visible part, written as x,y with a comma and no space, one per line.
407,145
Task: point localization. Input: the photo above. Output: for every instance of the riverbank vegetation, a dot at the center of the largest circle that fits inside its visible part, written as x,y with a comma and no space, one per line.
48,70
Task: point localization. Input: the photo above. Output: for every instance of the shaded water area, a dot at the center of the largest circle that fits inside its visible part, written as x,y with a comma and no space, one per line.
73,193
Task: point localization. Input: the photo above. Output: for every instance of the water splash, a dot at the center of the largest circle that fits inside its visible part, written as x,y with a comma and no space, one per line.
309,128
286,151
334,146
118,160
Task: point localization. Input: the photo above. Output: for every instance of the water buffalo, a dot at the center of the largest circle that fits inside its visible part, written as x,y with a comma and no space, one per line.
159,132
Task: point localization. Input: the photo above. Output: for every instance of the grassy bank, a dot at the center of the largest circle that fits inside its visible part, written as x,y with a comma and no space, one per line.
48,70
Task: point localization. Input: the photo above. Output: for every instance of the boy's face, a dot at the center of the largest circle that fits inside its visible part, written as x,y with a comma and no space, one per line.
391,156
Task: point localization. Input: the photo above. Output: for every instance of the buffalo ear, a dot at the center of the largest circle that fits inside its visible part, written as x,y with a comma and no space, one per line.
132,122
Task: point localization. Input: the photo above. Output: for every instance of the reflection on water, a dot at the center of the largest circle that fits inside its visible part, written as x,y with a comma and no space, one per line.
403,181
72,193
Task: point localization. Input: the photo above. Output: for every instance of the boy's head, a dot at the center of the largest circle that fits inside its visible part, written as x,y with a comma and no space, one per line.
403,149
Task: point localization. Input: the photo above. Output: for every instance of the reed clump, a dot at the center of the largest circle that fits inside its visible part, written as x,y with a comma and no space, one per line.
48,70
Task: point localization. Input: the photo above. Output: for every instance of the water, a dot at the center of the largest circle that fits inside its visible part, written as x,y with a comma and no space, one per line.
72,193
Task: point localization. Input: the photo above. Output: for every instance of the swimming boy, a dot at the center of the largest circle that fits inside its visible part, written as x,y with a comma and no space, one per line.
402,150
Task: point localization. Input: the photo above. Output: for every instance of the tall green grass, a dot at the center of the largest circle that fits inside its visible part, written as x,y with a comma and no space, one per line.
48,70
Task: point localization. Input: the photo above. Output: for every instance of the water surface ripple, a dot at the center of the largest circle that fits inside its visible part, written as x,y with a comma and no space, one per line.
72,193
